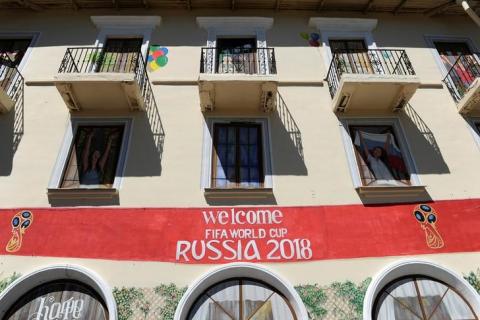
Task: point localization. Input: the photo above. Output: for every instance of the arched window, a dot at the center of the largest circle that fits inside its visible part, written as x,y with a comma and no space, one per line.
60,299
421,298
241,299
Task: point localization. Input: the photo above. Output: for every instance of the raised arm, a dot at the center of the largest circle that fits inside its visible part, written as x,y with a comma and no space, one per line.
103,159
86,151
387,142
363,144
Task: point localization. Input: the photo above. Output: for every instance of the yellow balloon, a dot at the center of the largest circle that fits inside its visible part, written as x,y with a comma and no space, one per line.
153,66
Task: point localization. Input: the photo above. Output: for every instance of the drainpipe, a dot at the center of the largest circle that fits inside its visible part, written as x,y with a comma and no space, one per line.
469,11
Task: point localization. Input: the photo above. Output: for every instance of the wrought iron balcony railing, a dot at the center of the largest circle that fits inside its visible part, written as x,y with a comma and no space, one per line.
111,60
462,74
11,81
375,61
238,60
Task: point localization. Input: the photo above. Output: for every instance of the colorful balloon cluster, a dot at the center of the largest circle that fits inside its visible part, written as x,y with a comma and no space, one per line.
157,57
312,38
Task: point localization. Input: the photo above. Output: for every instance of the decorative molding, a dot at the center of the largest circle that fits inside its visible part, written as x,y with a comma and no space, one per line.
343,24
58,272
237,24
408,267
126,22
234,270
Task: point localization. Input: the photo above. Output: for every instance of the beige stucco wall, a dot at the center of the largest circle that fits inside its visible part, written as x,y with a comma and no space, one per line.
442,145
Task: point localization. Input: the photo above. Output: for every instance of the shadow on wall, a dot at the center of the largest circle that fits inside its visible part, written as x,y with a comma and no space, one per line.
250,201
87,201
287,147
11,133
146,146
425,150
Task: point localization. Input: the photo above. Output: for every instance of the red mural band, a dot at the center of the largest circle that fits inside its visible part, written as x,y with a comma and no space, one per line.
254,234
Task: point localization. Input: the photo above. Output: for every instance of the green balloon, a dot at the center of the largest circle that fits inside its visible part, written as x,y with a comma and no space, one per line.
162,61
304,35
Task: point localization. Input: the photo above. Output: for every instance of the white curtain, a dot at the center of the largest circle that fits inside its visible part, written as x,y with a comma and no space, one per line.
403,303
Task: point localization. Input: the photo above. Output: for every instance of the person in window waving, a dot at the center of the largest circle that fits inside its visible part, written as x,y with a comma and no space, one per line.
378,162
93,166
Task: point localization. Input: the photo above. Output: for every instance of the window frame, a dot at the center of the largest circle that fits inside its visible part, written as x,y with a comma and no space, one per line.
23,35
125,27
241,281
472,123
235,27
400,135
431,39
69,137
415,277
207,153
238,125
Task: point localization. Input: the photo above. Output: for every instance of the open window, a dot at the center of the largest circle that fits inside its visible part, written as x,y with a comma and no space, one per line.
379,158
12,51
92,157
462,68
237,55
380,162
120,55
15,49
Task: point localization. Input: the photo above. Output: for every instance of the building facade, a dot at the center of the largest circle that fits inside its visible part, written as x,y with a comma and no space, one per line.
241,160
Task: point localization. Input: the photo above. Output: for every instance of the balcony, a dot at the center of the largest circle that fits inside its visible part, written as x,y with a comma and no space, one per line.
373,81
11,84
462,82
238,79
95,79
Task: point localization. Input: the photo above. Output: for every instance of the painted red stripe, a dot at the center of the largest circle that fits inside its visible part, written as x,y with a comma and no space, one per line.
335,232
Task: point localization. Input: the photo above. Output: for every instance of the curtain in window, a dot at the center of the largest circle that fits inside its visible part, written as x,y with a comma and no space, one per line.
120,55
424,299
352,56
380,159
237,156
457,55
241,300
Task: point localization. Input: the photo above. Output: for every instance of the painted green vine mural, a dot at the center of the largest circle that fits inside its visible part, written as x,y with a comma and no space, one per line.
6,281
474,279
314,298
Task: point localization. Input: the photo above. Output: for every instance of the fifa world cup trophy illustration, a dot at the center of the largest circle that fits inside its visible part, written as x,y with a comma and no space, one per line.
20,222
427,217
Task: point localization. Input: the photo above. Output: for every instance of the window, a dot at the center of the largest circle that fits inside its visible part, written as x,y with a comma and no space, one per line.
450,52
62,299
120,55
237,156
378,154
421,298
92,156
241,299
15,50
352,56
237,55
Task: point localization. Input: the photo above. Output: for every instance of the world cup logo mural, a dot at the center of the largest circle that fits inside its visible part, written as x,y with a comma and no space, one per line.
427,217
20,223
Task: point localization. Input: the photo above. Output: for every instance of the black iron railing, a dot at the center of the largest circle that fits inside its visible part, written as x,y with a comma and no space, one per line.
375,61
462,74
11,81
238,60
116,60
